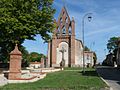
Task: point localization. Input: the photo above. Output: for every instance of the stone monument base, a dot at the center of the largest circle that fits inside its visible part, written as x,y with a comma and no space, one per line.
14,75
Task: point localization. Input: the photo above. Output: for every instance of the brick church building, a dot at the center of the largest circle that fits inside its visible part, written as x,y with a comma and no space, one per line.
64,45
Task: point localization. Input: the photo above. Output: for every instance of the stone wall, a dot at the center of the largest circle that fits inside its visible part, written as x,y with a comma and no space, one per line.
78,53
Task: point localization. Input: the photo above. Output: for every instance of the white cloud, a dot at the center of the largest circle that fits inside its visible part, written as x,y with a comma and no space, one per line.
104,30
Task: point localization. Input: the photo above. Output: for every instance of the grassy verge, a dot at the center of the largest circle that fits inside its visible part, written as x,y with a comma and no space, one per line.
63,80
72,68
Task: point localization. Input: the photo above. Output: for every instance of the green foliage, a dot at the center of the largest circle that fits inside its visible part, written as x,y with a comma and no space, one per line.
112,45
25,53
34,56
23,19
86,48
25,57
94,58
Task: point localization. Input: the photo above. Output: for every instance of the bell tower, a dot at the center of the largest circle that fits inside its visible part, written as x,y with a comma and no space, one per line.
63,37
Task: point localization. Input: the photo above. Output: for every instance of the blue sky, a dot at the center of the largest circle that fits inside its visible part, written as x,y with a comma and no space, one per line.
105,23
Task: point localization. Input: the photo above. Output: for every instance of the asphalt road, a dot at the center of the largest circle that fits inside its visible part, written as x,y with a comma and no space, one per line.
111,75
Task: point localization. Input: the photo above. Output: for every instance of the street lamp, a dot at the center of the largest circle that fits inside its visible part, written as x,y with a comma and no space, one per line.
88,15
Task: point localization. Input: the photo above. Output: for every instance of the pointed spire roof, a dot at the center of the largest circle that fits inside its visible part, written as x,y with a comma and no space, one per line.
64,10
16,51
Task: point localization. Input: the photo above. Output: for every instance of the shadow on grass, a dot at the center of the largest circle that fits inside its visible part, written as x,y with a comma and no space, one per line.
89,73
118,83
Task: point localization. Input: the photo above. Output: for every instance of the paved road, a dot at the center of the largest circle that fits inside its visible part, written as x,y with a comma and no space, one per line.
111,76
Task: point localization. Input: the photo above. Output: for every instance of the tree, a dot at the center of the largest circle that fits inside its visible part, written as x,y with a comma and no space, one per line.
112,44
34,56
94,58
86,48
25,57
23,19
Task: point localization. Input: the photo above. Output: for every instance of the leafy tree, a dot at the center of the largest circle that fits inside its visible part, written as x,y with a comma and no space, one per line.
25,57
34,56
94,58
86,48
23,19
112,45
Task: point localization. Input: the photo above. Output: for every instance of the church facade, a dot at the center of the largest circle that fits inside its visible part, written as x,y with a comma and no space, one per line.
64,45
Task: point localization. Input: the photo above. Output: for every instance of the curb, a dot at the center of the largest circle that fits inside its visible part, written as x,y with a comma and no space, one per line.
106,83
110,88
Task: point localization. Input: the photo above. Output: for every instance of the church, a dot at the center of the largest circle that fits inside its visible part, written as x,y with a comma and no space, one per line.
64,45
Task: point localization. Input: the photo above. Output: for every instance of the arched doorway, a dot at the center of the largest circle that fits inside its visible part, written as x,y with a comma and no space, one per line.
62,45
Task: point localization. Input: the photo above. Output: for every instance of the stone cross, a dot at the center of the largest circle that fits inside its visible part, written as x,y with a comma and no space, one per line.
63,61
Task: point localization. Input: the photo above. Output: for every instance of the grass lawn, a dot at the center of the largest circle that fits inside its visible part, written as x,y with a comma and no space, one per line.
72,68
63,80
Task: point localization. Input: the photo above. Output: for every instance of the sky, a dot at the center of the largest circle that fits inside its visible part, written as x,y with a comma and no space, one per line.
105,24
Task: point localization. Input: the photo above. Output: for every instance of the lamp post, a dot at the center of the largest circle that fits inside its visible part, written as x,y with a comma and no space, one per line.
88,15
